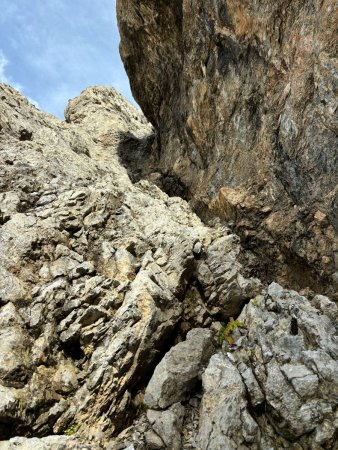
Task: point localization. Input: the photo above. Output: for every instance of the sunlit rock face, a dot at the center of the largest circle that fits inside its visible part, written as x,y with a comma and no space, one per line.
126,322
99,276
242,95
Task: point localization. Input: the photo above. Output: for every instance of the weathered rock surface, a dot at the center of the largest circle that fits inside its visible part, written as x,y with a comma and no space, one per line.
168,426
48,443
280,384
178,372
94,269
243,97
111,293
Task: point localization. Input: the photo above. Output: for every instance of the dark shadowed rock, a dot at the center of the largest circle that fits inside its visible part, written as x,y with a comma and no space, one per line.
243,98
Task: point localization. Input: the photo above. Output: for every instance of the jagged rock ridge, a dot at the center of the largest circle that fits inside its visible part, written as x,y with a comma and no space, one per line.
111,295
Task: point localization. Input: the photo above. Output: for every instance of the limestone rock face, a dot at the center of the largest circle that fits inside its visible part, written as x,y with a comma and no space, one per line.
114,296
281,379
95,270
243,97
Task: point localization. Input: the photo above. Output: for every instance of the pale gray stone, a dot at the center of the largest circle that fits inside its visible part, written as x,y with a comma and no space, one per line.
153,441
168,424
179,370
47,443
8,401
284,370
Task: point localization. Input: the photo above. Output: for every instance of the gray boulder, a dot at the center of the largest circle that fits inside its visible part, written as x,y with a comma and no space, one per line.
168,425
279,388
179,371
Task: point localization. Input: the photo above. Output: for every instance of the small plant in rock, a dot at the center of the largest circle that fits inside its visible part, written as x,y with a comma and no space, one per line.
144,407
72,429
226,332
88,350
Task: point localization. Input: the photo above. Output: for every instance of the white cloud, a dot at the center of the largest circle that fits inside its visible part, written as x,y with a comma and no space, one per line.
3,64
4,78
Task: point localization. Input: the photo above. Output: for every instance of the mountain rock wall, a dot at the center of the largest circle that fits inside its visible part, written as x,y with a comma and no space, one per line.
242,95
99,277
118,305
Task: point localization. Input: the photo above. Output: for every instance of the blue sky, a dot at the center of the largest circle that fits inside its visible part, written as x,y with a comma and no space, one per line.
51,50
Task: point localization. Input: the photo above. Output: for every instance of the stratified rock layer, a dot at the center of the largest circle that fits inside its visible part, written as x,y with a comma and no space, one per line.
243,97
94,269
111,297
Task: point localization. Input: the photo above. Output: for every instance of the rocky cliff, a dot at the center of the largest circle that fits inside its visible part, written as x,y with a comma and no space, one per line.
243,97
118,305
128,321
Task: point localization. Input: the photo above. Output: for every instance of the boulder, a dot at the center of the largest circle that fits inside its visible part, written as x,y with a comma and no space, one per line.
177,375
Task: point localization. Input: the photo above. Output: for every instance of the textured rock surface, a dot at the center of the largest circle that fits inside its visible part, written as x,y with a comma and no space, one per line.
280,384
48,443
243,98
94,270
168,425
111,293
177,374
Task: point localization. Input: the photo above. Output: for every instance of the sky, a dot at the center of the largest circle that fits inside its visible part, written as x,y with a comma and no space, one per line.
50,50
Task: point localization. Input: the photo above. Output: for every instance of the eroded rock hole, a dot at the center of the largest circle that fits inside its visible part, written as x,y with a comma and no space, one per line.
294,326
73,350
25,135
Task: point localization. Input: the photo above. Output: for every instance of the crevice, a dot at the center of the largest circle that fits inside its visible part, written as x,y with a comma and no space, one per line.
139,381
73,350
255,411
171,184
140,157
294,327
145,370
135,154
12,427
